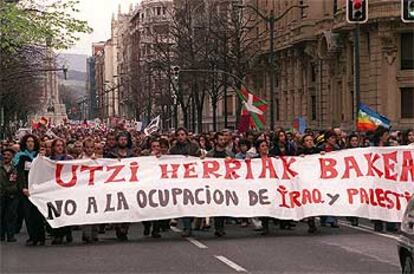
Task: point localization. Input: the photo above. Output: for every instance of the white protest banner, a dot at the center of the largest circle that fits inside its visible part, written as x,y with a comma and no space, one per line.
374,183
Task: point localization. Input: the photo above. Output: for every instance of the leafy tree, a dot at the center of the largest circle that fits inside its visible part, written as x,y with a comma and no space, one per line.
36,22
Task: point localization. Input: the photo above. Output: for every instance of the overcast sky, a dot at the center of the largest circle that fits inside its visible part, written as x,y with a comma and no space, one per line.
98,13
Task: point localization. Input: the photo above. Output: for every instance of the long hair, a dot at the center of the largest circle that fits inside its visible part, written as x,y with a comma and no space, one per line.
405,136
23,142
53,149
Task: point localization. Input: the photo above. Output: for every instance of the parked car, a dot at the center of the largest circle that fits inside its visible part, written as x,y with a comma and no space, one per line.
406,240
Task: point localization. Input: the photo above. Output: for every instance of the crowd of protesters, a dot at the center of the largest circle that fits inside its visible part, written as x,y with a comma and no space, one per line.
80,142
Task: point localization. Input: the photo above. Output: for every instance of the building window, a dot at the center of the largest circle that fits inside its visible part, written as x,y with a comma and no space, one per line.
313,107
313,73
407,50
158,11
369,46
277,110
302,10
407,103
335,6
230,105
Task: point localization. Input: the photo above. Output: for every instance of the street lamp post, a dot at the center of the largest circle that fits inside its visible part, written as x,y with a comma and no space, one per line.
270,21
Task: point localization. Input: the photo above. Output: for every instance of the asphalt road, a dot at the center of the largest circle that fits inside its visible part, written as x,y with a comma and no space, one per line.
340,250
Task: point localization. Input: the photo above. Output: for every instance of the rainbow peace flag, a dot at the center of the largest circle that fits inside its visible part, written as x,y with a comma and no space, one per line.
369,120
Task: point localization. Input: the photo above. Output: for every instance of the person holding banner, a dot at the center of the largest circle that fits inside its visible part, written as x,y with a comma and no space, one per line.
330,144
155,150
262,148
30,146
123,149
219,151
59,154
89,232
380,139
185,147
283,147
243,146
353,142
309,148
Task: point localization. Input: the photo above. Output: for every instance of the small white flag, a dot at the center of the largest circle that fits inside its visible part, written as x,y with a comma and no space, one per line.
138,126
153,126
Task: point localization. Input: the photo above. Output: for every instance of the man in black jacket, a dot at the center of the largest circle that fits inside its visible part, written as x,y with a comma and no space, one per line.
309,148
219,151
122,150
185,147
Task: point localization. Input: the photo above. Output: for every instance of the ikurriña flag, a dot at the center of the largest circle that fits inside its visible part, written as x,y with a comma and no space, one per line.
254,107
369,120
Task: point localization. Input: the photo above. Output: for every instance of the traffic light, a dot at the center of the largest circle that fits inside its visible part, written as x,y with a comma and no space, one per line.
357,11
407,11
176,72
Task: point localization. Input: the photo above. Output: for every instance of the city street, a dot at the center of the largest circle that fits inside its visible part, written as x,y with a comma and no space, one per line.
343,250
121,112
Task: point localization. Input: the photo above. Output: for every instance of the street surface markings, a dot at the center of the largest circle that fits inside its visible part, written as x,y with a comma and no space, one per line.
369,230
196,243
230,263
190,239
223,259
360,252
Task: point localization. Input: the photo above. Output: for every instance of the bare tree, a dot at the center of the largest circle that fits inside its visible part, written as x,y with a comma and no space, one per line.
202,38
21,83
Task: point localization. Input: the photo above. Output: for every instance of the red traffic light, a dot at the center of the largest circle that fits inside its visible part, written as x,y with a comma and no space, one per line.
357,4
357,11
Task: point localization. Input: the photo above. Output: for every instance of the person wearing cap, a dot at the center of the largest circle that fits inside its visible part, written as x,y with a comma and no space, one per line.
8,196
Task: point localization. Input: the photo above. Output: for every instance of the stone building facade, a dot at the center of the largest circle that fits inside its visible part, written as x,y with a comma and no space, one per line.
146,85
315,63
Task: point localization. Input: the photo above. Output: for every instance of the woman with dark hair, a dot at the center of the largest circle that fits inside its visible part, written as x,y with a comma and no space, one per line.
204,143
262,148
59,154
283,147
409,137
30,146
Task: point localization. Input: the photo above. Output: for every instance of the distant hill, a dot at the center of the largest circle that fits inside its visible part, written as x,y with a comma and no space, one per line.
75,84
75,62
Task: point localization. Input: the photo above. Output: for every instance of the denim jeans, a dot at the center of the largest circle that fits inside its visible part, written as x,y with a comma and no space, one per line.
329,220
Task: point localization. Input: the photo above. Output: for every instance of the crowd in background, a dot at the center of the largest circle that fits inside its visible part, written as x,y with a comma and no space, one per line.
81,142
